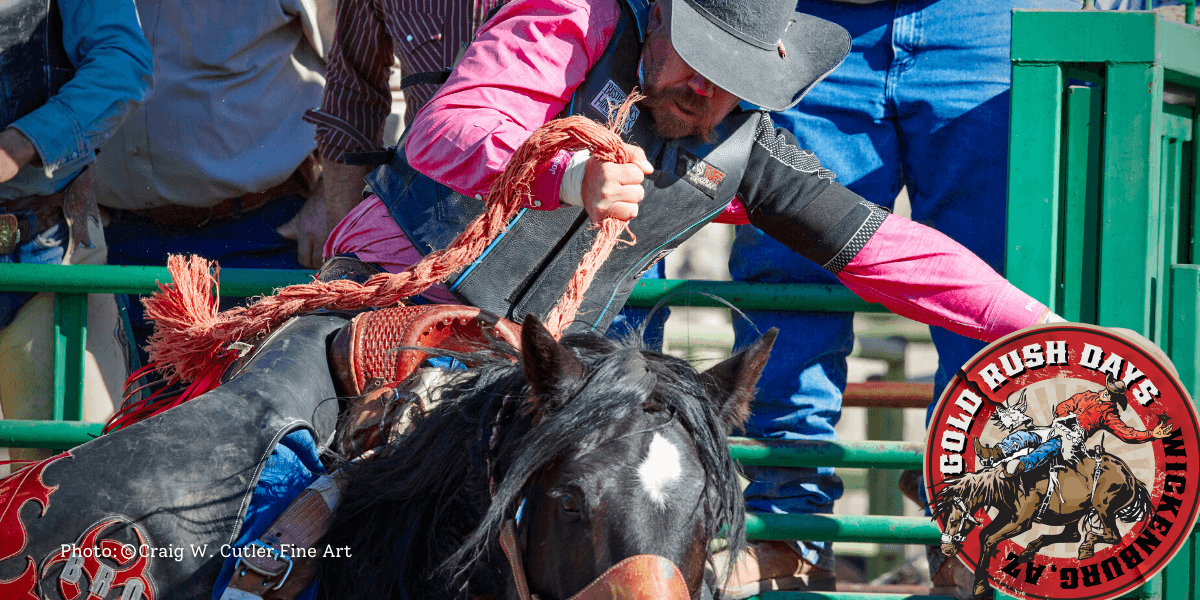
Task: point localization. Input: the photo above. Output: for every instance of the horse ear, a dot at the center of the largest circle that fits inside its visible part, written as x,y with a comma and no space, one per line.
548,365
732,381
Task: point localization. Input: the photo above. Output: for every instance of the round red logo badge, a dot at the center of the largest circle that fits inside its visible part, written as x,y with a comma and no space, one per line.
1062,463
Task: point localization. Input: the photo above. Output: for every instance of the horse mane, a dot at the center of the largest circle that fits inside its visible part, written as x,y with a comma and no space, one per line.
408,501
428,503
988,487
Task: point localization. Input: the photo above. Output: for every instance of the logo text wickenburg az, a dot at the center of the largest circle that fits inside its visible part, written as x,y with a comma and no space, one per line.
1062,463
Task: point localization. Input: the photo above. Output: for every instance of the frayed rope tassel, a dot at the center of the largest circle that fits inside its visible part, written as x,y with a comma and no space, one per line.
190,336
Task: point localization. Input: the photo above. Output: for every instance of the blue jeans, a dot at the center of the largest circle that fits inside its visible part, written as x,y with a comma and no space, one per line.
46,248
922,100
1019,440
248,241
293,465
1040,452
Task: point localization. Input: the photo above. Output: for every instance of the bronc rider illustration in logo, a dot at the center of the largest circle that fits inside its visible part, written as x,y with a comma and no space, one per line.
1057,463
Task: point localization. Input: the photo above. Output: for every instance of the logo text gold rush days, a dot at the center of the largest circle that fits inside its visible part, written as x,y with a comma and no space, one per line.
1172,479
1032,357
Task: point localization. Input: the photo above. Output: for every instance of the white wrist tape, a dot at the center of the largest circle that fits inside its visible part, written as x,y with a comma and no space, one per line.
570,191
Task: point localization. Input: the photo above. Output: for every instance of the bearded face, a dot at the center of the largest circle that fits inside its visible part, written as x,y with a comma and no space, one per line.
680,113
681,101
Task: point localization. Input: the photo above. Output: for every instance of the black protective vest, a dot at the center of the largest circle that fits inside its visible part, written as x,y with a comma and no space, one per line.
529,265
33,63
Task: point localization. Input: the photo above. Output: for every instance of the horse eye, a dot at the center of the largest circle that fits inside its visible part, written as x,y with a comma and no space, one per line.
568,504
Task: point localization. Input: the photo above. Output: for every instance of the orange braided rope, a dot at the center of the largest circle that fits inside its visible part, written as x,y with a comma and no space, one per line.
190,334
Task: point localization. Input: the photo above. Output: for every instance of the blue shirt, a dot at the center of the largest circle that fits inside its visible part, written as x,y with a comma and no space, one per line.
113,66
293,465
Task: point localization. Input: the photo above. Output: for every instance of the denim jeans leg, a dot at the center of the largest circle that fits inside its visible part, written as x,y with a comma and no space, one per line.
1017,441
799,398
954,127
843,122
800,392
46,248
1042,454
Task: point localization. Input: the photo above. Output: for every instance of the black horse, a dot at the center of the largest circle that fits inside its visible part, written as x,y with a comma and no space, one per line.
606,450
612,451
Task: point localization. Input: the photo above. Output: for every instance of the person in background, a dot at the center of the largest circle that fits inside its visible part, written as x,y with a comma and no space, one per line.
218,161
426,35
921,101
71,70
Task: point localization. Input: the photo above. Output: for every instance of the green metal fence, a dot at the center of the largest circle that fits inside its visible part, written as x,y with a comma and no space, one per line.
71,284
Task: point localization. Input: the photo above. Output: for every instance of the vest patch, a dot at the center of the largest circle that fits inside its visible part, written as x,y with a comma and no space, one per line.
700,174
607,101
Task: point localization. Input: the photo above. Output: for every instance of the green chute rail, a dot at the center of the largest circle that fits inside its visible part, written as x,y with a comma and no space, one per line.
72,284
1103,218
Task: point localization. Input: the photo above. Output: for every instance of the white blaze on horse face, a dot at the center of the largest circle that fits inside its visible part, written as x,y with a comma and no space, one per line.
661,467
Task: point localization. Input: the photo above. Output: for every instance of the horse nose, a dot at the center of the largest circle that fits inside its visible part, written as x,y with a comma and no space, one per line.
641,577
949,550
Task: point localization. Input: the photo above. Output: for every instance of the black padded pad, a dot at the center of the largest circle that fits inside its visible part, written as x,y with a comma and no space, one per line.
182,478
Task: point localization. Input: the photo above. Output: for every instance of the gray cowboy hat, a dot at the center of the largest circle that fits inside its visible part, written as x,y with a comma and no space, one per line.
762,51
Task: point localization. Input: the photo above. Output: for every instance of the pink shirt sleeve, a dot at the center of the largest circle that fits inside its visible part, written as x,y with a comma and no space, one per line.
518,74
734,213
920,273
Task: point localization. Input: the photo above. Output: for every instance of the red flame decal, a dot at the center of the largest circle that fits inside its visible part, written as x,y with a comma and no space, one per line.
15,490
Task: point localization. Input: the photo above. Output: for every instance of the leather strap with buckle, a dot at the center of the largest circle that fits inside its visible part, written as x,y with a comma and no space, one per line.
281,563
22,219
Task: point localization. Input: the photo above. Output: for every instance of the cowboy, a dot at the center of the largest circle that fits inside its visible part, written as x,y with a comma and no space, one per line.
1082,415
1062,438
700,153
